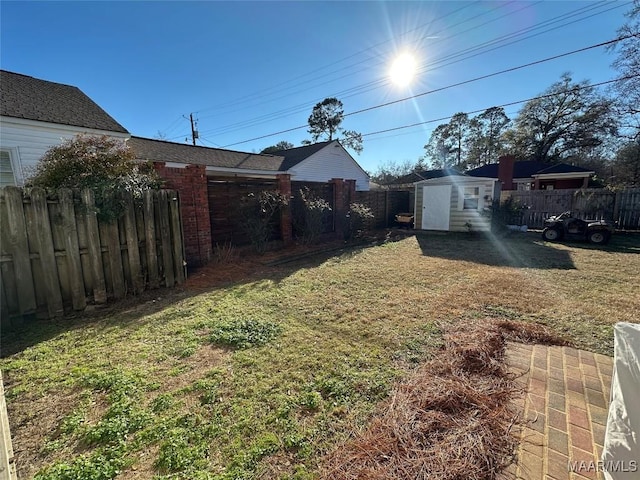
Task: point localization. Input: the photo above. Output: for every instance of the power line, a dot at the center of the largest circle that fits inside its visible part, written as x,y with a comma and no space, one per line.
517,102
444,88
378,83
469,52
482,77
294,79
304,106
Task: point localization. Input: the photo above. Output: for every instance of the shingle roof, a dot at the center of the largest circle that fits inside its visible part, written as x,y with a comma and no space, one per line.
294,156
525,169
564,168
30,98
162,151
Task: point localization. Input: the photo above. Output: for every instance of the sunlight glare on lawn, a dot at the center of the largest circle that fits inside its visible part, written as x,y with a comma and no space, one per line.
403,70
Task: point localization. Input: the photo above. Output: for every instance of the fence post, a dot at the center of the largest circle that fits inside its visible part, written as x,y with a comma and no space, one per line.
150,240
19,248
616,205
95,250
165,236
176,229
74,264
133,248
386,209
47,253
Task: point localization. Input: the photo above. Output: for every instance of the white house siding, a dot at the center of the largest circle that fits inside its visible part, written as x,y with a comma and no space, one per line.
333,161
458,218
28,140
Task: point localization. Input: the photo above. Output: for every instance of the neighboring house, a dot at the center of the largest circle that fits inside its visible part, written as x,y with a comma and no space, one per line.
36,115
534,175
454,202
321,162
211,181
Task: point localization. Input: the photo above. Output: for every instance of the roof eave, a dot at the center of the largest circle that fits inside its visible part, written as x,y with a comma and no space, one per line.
569,175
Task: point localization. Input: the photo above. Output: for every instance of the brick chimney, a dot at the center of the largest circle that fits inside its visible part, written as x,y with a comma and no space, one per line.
505,171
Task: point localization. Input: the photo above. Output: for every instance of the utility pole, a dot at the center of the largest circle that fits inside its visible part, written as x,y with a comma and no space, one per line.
194,132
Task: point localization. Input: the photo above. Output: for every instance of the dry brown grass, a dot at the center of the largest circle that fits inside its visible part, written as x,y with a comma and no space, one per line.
452,419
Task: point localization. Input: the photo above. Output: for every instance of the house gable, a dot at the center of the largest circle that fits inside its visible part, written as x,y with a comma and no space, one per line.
36,115
329,161
30,98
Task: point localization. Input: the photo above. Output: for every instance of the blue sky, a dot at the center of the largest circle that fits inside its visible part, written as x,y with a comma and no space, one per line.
250,69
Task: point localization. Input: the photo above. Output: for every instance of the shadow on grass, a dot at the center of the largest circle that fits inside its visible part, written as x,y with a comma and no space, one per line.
21,333
516,250
622,242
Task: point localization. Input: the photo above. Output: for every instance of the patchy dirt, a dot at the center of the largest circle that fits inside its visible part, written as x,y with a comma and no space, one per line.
205,358
34,420
143,467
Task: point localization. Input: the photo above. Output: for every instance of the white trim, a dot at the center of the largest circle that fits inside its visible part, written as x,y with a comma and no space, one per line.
171,164
16,166
455,179
230,171
553,176
72,129
461,198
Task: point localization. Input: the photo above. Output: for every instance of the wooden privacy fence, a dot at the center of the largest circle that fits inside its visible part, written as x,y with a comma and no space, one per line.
56,253
622,206
385,204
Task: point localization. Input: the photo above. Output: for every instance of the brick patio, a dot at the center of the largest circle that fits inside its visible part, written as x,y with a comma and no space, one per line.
565,407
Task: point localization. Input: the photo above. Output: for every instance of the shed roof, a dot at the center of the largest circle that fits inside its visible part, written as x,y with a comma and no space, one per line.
163,151
414,177
455,178
30,98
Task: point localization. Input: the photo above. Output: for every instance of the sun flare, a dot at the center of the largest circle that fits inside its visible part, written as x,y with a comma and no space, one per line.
403,70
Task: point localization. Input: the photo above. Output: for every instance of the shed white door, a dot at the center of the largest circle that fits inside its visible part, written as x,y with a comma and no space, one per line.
436,206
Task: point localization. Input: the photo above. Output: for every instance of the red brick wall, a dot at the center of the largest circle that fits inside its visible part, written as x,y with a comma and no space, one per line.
191,183
286,220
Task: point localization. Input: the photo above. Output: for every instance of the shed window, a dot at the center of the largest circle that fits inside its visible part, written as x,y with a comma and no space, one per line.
6,169
471,198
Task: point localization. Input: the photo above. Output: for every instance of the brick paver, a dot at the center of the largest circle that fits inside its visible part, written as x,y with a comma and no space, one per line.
565,411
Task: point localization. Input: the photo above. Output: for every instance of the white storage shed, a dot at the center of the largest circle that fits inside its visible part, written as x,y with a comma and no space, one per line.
455,203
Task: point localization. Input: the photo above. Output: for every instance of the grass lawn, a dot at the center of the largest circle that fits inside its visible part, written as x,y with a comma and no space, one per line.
260,376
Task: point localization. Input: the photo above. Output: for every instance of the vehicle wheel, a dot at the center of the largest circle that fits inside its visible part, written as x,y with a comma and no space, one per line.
551,234
599,238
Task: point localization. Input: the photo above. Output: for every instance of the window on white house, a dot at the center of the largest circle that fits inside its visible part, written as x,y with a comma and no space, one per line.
524,186
7,176
471,198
